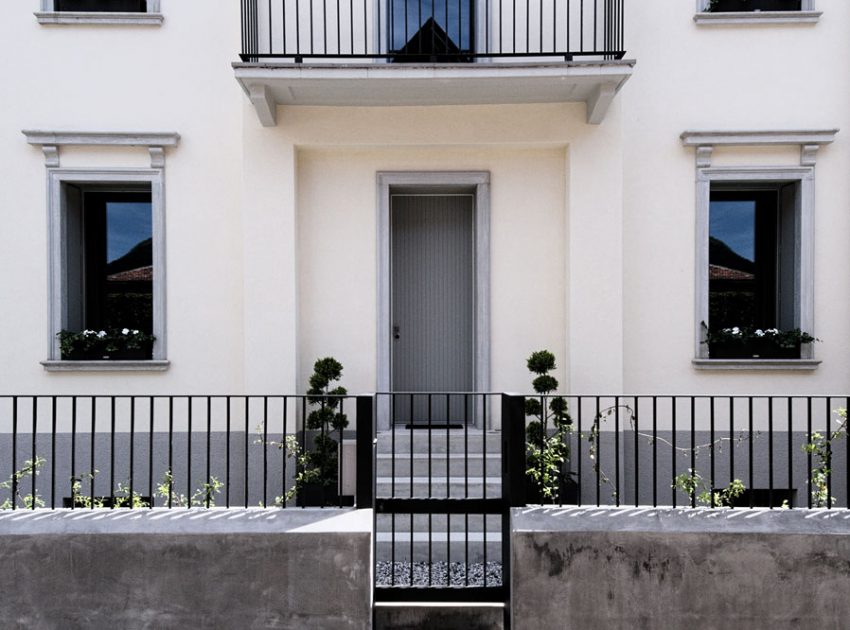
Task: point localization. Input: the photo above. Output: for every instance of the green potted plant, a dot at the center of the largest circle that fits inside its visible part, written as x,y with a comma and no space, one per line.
319,475
755,343
99,345
547,437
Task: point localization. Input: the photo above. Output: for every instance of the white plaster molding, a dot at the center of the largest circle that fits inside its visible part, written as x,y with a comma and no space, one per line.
704,154
50,141
102,138
817,137
599,102
105,366
263,101
809,154
66,18
757,17
51,155
479,182
772,365
56,179
157,157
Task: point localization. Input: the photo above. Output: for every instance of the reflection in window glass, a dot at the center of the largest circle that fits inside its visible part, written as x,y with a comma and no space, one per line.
742,259
430,27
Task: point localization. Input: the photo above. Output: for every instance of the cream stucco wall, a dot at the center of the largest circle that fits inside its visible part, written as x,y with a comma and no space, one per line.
606,212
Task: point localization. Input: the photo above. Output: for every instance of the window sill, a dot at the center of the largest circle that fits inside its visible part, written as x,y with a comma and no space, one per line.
106,366
115,19
758,17
791,365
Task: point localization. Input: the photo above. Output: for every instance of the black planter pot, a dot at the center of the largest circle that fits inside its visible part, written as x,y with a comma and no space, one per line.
318,495
732,6
732,350
567,493
100,6
139,354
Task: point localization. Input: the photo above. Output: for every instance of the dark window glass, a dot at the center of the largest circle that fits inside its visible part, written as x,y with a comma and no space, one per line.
754,5
119,6
118,261
742,259
422,30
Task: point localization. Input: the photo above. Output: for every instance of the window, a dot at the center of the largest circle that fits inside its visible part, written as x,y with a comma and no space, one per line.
753,270
756,11
108,258
116,12
114,6
431,30
754,250
729,6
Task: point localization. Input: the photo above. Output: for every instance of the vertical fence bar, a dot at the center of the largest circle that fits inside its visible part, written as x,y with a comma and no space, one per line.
53,454
790,449
170,450
673,449
654,451
732,442
189,452
14,497
617,449
711,448
150,449
248,398
637,452
770,452
34,452
578,441
693,448
341,454
808,452
597,423
265,450
750,444
227,455
283,457
209,438
132,448
365,452
828,452
92,470
111,452
73,447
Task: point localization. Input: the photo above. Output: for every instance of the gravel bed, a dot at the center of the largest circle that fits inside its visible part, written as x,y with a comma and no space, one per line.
384,571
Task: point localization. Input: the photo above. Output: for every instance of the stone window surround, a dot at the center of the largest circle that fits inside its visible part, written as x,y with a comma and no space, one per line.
809,142
807,15
156,143
47,15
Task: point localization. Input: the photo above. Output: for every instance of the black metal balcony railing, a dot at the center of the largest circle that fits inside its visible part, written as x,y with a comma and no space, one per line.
431,30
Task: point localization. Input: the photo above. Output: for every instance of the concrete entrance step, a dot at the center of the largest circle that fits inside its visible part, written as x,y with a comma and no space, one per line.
453,441
455,616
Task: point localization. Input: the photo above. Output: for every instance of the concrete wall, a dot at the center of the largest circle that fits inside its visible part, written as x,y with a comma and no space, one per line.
293,569
643,569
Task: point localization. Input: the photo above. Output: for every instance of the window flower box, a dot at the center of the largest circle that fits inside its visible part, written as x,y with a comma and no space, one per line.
102,345
743,343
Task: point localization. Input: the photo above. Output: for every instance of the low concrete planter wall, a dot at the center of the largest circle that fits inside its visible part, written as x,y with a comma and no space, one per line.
696,569
215,568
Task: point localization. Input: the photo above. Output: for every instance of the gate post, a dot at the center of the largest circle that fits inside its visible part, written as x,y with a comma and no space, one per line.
365,453
513,449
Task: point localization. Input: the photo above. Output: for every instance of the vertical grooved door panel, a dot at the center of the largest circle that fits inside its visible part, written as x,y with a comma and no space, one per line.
432,298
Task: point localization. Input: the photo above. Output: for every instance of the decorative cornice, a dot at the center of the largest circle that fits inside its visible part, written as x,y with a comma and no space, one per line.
809,140
50,141
99,18
752,138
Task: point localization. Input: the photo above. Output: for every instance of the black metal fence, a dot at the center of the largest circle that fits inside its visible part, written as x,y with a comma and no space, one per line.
185,451
688,451
432,30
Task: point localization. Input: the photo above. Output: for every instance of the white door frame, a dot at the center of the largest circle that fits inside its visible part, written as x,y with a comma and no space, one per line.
477,183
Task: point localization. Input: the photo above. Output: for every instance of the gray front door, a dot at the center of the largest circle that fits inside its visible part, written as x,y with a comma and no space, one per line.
432,305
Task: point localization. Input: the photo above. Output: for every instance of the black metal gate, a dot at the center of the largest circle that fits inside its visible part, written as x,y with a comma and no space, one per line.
442,502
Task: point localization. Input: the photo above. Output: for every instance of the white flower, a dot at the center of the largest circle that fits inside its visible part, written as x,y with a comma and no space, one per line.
759,333
88,333
101,334
125,331
736,331
773,331
135,332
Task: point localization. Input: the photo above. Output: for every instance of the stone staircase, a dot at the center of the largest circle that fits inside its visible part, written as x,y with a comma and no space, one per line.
439,464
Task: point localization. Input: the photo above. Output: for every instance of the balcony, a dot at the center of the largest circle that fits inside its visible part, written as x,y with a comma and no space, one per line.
432,52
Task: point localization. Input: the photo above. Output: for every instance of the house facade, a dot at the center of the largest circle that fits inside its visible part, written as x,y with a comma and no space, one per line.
592,203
